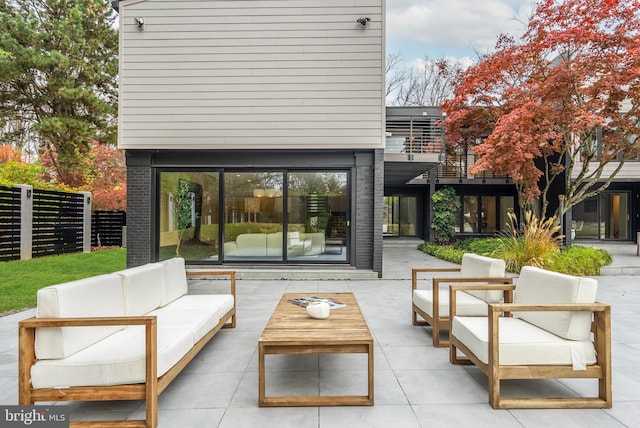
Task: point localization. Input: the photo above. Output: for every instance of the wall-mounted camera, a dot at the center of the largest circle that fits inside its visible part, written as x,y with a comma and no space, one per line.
363,21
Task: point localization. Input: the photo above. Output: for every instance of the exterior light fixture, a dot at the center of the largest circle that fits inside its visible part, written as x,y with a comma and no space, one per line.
363,21
139,21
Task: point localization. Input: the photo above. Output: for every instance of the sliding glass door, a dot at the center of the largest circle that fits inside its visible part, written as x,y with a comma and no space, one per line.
603,217
400,216
189,215
264,216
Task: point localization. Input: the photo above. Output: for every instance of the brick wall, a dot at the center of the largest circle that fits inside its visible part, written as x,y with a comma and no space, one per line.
139,209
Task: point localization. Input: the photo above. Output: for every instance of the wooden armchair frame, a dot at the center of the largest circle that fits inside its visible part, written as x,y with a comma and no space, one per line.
601,369
148,391
442,321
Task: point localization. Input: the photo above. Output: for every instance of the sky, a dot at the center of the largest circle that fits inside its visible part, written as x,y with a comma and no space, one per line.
454,29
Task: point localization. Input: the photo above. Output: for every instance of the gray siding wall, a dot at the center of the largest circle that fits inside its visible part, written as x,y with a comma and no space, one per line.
251,74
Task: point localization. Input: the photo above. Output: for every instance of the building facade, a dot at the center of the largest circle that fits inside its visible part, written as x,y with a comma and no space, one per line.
487,199
253,130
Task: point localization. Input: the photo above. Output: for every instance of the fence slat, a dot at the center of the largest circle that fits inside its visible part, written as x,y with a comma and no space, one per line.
106,228
57,223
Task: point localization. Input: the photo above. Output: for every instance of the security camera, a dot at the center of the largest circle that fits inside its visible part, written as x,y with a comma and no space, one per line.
363,21
139,22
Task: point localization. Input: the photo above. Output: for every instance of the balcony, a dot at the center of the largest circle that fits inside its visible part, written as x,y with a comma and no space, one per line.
414,143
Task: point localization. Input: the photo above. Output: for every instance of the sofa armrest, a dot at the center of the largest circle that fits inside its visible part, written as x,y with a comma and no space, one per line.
494,284
230,273
230,247
27,338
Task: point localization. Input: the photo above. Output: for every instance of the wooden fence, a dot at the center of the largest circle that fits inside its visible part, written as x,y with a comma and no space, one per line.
9,223
58,219
106,228
35,223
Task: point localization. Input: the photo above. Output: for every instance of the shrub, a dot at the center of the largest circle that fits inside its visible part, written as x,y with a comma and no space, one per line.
482,246
447,253
445,206
574,260
530,244
578,260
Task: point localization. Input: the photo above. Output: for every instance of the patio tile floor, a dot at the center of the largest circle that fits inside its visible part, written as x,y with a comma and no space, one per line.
415,386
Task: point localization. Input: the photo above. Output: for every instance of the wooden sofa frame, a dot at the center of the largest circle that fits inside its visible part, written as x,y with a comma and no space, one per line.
442,321
601,370
148,391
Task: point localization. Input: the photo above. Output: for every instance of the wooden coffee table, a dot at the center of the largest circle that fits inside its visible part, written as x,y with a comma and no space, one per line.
291,331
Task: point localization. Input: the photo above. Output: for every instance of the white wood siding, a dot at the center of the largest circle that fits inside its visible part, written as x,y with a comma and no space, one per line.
630,171
251,74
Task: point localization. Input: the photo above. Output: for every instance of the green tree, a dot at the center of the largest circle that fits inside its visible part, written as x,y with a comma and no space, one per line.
445,206
183,210
59,80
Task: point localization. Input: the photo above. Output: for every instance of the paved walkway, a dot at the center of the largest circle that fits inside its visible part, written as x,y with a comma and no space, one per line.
415,386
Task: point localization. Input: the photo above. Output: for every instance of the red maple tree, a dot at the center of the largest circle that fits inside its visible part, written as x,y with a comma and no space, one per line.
109,185
561,102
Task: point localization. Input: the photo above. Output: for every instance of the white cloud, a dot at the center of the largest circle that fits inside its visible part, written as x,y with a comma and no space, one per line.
455,25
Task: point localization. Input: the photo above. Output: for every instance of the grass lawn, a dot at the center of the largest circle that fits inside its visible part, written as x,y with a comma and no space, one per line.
22,279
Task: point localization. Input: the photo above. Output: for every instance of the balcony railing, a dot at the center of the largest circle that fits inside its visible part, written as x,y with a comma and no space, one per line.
415,134
457,166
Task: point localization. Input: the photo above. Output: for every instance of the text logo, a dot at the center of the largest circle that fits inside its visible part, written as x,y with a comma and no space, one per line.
34,416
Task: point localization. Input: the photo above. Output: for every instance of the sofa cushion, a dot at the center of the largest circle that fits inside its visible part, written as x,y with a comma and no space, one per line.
222,302
542,286
142,287
98,296
117,359
198,321
466,304
251,244
475,266
174,280
521,343
274,244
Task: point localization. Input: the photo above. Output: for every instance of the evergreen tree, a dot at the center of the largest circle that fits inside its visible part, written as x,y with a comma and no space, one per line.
59,78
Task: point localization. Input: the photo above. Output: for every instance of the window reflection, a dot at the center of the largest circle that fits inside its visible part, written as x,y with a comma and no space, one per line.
253,204
317,216
189,215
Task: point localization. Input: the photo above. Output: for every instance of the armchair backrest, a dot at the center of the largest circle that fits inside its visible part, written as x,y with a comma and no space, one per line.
475,266
537,285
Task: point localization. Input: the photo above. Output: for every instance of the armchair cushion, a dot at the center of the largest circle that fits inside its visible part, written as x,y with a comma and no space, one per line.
521,343
475,266
537,285
466,304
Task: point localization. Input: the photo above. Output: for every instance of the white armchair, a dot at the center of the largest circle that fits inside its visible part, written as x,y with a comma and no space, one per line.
556,330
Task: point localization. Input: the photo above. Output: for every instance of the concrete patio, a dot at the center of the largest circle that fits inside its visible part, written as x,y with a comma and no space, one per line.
415,386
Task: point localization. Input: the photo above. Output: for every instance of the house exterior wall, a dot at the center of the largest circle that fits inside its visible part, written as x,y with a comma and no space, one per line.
254,74
630,171
366,192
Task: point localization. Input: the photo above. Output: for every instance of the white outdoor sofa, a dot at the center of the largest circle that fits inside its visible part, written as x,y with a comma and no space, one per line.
433,304
119,336
557,330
